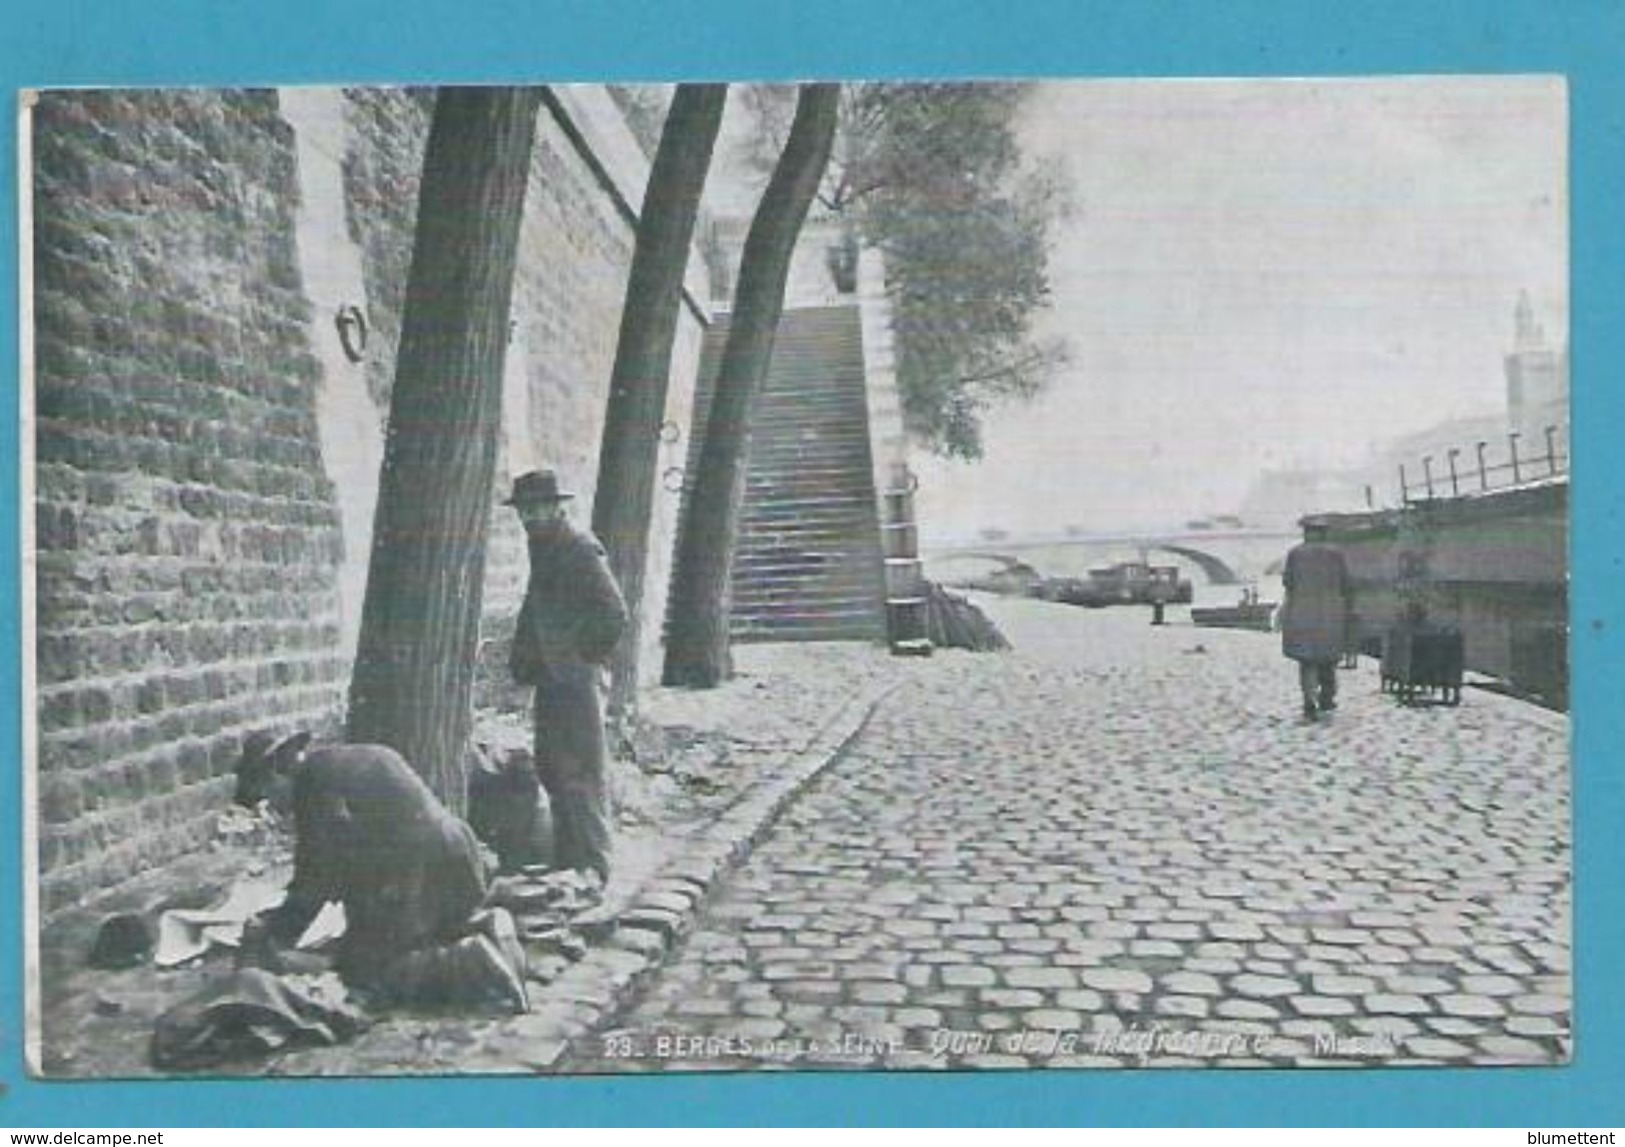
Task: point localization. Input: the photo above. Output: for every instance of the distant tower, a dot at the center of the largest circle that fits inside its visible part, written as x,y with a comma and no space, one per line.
1528,334
1537,389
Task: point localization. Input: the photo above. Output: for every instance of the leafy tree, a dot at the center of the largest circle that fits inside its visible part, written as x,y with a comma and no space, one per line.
414,673
697,652
934,177
623,502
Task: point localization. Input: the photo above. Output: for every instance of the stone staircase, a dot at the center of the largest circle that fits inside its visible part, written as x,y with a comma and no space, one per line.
808,565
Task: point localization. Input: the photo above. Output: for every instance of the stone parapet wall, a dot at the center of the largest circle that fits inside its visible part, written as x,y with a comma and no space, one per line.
1494,565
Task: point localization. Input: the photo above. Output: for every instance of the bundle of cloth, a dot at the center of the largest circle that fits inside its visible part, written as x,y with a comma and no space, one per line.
252,1013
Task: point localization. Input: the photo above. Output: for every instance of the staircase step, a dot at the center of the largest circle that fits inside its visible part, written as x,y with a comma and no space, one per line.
809,632
817,396
802,437
791,501
780,609
789,486
777,533
860,571
809,516
807,564
814,515
809,591
810,563
800,424
853,580
763,445
784,613
802,477
850,621
842,449
793,421
776,530
785,407
809,552
814,392
801,543
806,486
782,406
859,517
845,450
807,469
755,537
850,500
820,456
809,594
777,637
791,457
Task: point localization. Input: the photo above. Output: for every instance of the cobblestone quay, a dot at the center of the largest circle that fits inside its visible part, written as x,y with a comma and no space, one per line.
1120,845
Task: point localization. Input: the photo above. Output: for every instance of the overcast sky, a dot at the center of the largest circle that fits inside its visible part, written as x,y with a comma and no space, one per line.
1269,273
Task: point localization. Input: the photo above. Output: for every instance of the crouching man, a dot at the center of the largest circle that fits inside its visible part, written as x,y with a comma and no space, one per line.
370,835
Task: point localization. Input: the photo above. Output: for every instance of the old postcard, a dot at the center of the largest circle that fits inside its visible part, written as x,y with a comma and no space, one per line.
857,576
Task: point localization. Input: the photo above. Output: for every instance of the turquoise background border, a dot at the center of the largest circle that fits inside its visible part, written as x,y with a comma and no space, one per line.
214,42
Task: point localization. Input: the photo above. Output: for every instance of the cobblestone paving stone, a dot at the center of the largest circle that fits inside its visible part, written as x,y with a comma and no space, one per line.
727,744
1119,845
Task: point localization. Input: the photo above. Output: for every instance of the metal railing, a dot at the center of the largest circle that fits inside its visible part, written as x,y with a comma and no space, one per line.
1479,476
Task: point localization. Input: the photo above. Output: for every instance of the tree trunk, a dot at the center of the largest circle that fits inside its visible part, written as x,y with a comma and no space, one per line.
697,653
414,673
624,496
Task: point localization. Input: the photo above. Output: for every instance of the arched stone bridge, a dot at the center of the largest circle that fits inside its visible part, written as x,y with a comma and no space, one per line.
1225,557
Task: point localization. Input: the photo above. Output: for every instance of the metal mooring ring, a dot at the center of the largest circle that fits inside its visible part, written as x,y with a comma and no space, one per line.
352,328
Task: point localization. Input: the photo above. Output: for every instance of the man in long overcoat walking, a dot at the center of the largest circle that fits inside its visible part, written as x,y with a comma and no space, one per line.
1315,615
568,627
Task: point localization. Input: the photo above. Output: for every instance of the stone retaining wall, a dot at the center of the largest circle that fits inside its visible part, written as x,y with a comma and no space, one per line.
185,532
196,542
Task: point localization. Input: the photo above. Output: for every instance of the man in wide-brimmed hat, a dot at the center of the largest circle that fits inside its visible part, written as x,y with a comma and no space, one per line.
572,619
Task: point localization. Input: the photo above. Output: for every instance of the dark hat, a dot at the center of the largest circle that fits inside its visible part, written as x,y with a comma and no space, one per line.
123,941
536,486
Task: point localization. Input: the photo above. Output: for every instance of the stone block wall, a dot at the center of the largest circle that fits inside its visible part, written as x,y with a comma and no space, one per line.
576,242
185,534
191,548
385,133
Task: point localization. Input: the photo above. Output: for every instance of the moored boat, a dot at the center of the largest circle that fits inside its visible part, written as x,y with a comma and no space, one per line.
1251,615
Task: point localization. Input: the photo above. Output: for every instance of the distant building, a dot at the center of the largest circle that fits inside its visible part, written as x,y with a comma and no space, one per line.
1278,498
1537,379
1444,457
